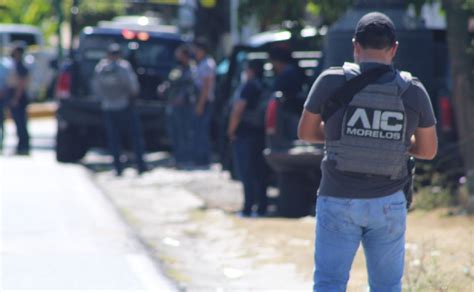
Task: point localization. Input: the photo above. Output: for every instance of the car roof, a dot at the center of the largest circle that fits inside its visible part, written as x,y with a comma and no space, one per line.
19,28
157,32
272,36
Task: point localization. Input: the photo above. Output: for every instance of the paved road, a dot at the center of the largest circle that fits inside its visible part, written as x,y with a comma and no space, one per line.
59,233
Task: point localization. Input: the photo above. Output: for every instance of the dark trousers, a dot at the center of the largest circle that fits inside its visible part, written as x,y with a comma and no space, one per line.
120,124
180,129
20,117
252,171
202,143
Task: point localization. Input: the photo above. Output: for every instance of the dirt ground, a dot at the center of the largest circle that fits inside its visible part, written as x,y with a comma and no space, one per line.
187,219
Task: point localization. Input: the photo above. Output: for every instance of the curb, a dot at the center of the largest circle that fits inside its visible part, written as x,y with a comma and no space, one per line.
42,110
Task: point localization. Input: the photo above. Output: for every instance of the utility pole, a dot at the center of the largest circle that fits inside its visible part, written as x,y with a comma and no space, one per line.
74,12
234,21
60,16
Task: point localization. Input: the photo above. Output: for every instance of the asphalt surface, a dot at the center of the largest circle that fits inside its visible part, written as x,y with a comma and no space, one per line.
58,231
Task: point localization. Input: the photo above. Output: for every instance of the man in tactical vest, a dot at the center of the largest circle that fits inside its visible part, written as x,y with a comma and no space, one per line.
368,138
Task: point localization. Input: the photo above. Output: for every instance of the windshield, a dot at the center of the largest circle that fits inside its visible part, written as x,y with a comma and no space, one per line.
308,61
149,53
151,58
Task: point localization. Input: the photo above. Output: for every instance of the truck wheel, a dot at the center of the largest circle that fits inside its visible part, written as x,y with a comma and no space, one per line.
69,145
297,195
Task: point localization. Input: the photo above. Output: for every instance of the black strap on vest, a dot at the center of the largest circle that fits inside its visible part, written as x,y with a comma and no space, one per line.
344,94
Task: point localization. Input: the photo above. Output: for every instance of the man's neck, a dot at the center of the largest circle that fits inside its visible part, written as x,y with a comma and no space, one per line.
374,60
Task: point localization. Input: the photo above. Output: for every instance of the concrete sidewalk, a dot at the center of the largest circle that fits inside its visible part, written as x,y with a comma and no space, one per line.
59,233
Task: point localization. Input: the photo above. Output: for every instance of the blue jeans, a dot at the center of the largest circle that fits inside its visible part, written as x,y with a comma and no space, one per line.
180,130
2,121
202,143
251,169
120,124
342,224
20,117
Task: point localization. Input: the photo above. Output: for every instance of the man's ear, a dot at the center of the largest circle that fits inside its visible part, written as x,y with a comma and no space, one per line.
357,49
394,49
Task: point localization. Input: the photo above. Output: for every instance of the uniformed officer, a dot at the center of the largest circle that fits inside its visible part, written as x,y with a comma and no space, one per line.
367,144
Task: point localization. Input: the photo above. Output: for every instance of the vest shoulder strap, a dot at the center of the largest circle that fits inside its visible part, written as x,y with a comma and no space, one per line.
351,70
404,80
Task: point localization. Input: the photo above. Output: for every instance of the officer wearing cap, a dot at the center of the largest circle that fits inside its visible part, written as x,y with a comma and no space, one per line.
116,85
367,144
18,99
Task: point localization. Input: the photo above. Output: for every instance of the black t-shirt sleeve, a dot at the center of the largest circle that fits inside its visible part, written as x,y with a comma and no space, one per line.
250,93
323,88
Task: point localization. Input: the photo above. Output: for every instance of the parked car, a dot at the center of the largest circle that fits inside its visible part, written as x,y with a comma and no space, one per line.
295,164
149,49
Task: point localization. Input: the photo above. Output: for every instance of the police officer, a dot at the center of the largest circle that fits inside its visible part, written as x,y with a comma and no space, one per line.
116,85
368,142
18,98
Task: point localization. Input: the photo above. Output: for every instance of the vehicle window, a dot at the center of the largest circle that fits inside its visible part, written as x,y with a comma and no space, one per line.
140,53
309,61
28,38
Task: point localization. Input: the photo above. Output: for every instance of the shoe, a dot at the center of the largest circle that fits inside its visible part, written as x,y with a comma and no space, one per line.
22,152
243,214
259,214
142,170
206,166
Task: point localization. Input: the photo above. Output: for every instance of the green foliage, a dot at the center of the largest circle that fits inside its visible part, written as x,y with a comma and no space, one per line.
331,10
42,13
25,11
272,11
276,11
432,197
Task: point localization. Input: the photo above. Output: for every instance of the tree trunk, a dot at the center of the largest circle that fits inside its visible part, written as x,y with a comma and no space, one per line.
463,90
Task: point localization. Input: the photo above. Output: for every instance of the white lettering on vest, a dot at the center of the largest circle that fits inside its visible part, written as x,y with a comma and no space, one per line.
361,114
380,120
386,116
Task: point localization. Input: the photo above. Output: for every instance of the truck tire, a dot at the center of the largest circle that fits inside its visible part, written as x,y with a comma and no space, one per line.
69,145
297,195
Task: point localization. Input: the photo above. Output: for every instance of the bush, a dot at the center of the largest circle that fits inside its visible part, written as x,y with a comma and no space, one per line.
428,198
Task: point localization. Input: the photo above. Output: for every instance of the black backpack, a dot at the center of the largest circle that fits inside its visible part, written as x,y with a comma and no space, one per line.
255,117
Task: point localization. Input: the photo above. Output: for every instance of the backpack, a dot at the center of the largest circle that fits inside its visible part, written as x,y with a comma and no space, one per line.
255,117
110,78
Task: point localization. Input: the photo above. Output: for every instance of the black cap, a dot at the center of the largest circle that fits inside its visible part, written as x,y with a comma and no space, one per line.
280,54
375,30
113,49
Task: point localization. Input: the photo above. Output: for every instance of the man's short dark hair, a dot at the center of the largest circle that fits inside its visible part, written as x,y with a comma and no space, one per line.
256,66
375,30
280,54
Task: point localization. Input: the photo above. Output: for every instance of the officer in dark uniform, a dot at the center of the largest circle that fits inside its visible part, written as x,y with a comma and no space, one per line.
18,98
368,142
